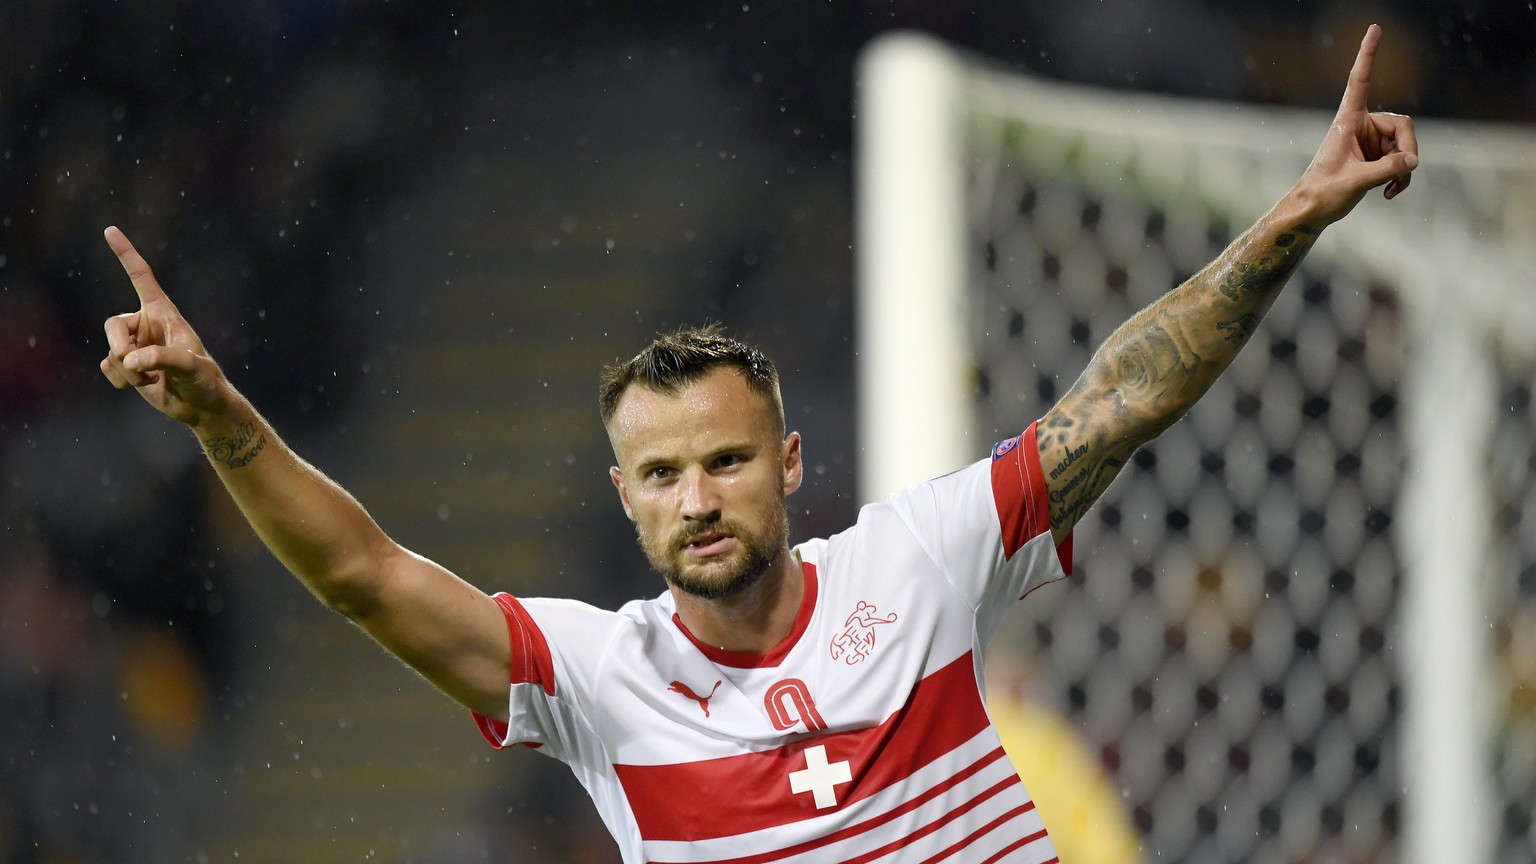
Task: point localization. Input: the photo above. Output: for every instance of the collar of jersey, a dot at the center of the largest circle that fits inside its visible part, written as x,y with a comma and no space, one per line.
742,660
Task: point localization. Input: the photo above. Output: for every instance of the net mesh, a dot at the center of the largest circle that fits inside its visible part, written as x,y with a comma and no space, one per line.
1511,475
1301,627
1225,641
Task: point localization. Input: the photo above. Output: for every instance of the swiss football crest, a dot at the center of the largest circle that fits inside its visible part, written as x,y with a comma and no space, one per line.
857,639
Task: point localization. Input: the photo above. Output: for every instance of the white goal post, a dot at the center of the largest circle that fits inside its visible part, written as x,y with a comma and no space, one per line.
998,212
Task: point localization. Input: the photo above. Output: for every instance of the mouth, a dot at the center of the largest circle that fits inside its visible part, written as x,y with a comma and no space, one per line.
708,544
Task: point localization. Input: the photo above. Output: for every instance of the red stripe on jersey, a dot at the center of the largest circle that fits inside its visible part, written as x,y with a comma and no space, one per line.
888,816
988,829
1018,490
1017,844
682,801
530,664
948,818
741,660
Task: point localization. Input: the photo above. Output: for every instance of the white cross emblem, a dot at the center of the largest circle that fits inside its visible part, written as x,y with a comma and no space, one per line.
819,778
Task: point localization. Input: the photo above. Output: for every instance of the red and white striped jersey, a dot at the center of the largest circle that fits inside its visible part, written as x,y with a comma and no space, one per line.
861,738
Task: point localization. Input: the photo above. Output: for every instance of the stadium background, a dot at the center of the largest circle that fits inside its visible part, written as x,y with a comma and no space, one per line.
412,235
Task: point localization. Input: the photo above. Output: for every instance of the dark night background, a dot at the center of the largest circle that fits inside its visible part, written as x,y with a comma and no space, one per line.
411,233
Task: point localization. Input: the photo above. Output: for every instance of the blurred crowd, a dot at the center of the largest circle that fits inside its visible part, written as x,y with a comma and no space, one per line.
224,132
249,145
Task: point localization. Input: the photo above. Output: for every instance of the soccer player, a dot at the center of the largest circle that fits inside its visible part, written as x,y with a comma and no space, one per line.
810,703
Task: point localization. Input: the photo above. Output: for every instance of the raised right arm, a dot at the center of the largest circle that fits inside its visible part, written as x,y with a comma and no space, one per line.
440,625
1152,369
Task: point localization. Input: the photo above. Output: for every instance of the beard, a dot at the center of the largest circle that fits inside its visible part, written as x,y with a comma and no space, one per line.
733,573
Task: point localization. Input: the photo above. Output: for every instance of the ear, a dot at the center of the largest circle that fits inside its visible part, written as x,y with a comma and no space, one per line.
617,477
794,467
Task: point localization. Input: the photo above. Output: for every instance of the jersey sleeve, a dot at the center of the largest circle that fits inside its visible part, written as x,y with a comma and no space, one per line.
555,649
988,526
1019,495
531,665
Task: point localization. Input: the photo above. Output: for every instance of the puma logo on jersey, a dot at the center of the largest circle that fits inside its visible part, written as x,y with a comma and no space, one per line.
686,692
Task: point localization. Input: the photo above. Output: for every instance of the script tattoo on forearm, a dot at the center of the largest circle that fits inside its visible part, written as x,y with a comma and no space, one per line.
1071,501
1080,470
238,451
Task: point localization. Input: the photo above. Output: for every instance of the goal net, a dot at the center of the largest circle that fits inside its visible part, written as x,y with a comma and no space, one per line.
1302,625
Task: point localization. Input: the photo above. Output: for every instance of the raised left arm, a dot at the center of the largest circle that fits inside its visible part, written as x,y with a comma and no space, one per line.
1160,362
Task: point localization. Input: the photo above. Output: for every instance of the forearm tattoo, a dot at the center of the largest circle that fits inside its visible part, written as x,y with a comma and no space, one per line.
1080,460
1151,370
1069,502
238,451
1248,287
1166,357
1239,329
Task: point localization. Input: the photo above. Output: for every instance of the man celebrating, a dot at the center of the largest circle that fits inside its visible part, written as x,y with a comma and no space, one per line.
811,703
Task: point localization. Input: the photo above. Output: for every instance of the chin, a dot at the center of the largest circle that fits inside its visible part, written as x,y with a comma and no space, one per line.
737,578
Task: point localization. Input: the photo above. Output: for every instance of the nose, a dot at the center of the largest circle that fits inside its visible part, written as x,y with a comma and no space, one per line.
701,501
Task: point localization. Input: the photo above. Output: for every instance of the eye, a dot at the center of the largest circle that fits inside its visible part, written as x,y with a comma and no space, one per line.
729,460
660,472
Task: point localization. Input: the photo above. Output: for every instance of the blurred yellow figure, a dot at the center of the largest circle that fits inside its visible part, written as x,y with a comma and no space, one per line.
1076,797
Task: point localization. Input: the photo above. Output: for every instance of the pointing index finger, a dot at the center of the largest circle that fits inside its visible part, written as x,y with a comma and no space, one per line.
1360,74
138,271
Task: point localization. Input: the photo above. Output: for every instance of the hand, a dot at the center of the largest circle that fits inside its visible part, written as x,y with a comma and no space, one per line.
1362,150
155,351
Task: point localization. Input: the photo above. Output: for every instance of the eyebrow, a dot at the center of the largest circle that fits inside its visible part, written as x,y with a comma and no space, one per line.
744,447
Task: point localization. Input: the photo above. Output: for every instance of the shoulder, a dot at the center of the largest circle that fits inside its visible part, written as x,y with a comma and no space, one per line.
566,621
916,509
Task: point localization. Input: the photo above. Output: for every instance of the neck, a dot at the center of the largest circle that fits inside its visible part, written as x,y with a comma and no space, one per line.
754,621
